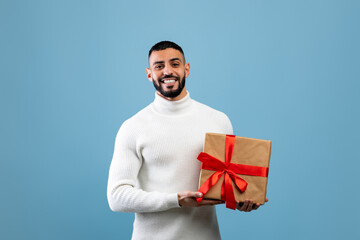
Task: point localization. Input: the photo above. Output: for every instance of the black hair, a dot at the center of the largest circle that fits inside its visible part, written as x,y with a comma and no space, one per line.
164,45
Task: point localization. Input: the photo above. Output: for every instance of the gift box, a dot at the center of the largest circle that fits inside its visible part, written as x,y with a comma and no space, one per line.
234,169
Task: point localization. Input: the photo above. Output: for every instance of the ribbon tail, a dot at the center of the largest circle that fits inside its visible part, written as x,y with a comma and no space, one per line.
223,191
229,192
211,181
240,183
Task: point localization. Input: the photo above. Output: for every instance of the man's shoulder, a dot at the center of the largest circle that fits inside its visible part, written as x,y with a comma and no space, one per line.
209,110
215,117
139,117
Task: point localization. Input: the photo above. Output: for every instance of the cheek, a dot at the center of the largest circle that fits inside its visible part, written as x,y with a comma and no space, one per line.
179,73
156,76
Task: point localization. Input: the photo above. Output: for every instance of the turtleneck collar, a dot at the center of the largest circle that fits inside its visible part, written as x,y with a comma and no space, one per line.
172,108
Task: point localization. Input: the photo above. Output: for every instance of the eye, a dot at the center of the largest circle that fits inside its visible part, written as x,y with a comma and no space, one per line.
176,64
158,67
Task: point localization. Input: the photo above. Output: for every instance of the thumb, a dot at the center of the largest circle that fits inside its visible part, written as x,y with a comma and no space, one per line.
196,194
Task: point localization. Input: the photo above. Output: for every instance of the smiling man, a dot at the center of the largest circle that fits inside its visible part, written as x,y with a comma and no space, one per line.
154,171
168,71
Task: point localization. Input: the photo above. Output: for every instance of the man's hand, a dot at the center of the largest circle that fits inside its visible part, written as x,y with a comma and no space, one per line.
188,199
248,205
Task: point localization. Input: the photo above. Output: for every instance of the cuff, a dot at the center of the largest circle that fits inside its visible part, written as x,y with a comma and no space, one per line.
172,200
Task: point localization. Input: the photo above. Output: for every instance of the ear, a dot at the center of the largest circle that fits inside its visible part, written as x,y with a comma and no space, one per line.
148,74
187,69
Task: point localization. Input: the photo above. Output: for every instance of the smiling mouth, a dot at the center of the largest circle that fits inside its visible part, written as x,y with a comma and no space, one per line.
168,81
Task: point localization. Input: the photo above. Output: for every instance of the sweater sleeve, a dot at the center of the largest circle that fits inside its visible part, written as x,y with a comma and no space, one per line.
227,125
231,131
122,194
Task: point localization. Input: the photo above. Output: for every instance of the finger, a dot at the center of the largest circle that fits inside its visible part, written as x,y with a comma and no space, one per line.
239,205
211,202
244,205
194,194
256,206
250,206
266,200
191,202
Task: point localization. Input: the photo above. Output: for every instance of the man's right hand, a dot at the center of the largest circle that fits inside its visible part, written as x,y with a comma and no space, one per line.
188,199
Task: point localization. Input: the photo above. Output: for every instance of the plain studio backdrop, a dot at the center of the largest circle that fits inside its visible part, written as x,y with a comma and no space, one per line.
72,71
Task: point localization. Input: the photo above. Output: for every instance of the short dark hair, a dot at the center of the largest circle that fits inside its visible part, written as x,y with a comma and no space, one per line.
164,45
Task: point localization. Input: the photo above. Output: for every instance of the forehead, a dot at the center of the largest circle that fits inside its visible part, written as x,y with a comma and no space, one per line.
165,55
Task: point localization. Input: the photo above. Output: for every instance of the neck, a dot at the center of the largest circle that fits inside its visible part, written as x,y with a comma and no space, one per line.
172,107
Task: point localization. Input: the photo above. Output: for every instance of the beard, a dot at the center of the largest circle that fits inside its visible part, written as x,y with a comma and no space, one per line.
171,93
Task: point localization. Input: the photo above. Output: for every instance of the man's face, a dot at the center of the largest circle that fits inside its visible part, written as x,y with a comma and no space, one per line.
168,70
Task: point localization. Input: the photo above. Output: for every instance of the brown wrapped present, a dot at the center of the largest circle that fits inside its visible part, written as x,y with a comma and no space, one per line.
242,162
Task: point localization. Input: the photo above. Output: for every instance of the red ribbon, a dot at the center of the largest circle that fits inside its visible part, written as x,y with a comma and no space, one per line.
230,171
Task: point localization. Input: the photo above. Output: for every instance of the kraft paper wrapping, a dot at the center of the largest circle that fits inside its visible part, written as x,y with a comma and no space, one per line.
249,151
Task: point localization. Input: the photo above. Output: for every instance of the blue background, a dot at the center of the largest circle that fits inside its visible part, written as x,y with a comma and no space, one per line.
73,71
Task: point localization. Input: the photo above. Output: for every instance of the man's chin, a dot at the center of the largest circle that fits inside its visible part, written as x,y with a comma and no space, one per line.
170,93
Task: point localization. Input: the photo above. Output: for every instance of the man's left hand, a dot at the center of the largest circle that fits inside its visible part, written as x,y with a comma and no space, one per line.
248,205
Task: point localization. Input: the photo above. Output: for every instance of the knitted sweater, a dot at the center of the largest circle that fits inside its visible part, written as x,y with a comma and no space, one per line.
154,159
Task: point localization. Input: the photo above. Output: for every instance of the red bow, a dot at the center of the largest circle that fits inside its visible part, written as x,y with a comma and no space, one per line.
230,171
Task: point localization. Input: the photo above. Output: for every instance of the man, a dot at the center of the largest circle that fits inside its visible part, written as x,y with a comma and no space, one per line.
154,171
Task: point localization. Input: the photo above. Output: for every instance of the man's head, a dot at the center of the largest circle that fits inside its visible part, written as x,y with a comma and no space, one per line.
164,45
168,70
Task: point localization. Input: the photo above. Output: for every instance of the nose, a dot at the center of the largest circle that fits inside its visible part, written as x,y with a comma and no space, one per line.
168,70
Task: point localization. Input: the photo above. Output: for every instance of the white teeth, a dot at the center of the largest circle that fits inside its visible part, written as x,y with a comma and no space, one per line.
169,81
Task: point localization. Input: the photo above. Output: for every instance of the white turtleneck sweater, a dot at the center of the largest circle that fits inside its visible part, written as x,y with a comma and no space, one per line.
155,158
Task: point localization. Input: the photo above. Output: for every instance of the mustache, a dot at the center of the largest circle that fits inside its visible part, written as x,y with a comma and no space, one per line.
169,76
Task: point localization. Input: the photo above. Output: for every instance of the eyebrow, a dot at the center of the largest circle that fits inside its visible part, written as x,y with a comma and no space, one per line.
173,59
158,62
